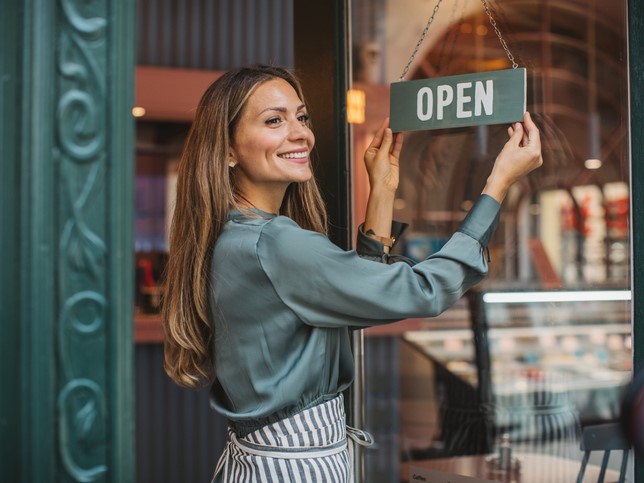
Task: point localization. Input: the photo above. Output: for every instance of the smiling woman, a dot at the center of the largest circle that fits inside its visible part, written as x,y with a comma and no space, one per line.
258,300
271,146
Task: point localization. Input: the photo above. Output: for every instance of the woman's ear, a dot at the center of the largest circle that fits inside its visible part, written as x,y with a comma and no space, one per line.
231,158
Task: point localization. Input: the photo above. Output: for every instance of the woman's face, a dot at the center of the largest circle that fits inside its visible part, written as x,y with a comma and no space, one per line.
271,145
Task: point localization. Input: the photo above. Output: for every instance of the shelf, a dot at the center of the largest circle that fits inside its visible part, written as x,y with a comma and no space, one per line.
148,329
423,336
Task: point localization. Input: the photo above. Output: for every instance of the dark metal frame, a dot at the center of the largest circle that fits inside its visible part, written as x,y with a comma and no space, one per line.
636,93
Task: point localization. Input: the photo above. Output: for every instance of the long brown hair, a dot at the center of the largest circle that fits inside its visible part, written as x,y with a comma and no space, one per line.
205,194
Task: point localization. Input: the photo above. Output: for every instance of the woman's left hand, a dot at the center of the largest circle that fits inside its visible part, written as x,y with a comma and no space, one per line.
382,158
520,155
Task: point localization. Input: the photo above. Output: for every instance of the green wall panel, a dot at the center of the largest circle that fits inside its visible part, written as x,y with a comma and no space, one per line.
10,409
71,85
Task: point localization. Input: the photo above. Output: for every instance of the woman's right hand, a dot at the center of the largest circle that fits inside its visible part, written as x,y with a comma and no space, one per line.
382,159
520,155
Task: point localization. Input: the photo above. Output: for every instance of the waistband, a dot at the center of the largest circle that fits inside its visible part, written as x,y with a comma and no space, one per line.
243,427
320,425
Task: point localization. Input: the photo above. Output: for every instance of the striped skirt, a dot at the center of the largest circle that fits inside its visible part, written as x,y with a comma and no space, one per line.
310,446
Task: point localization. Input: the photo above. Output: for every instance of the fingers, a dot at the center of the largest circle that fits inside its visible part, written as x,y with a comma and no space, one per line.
380,133
378,136
532,132
398,142
516,133
387,140
528,132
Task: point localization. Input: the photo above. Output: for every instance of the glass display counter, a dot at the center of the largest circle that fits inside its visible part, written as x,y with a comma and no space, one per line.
535,369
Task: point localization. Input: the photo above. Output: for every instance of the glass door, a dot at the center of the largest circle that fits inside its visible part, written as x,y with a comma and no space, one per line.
504,385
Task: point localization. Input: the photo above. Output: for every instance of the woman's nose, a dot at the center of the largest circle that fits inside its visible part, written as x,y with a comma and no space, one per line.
298,130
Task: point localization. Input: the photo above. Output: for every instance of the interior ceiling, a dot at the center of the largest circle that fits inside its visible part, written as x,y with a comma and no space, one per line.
575,54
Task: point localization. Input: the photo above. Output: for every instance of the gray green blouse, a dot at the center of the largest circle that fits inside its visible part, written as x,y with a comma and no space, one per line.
283,299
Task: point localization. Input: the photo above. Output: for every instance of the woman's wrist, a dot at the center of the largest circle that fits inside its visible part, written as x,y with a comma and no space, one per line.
379,214
382,189
387,241
496,188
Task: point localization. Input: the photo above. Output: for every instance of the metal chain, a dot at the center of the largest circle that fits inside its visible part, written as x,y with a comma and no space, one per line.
420,41
431,20
498,34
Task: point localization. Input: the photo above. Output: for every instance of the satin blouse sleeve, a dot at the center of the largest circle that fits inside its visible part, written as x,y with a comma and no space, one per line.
326,286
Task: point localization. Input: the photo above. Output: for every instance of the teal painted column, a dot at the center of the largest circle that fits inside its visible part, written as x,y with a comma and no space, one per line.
636,64
10,377
68,83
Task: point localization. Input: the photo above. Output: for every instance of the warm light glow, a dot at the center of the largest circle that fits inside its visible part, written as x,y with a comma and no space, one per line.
593,163
138,111
481,30
562,296
400,204
356,101
466,205
466,28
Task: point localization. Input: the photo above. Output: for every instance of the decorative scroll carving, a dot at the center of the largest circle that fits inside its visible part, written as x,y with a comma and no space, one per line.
78,134
84,249
91,27
81,118
82,322
81,409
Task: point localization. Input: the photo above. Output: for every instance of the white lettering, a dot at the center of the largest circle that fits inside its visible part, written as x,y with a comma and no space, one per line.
461,99
484,97
424,104
483,100
445,97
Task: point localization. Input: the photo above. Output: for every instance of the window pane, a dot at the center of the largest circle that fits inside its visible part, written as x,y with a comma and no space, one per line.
541,349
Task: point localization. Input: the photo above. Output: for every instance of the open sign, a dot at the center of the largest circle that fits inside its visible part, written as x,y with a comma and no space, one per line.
456,101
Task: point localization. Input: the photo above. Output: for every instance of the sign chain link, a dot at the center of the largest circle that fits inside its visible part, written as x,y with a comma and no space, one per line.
498,34
420,41
431,20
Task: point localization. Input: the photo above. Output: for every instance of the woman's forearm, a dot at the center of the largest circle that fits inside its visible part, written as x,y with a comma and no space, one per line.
379,213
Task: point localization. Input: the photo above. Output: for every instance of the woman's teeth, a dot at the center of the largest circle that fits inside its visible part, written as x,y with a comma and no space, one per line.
301,155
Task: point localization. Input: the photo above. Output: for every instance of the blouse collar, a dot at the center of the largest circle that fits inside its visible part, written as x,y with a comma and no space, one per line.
250,213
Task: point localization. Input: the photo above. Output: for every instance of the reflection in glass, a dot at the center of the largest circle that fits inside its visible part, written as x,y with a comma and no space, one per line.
534,370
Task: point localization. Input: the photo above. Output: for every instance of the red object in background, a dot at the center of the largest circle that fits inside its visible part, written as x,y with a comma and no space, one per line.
146,267
617,212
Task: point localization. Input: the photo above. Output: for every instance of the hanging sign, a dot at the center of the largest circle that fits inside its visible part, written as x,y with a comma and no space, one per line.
493,97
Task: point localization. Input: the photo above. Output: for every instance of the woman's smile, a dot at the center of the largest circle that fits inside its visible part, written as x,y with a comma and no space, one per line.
299,156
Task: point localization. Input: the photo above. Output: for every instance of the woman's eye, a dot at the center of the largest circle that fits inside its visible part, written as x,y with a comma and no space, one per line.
273,120
303,118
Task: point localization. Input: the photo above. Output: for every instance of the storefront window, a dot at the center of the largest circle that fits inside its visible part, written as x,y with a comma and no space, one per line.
541,350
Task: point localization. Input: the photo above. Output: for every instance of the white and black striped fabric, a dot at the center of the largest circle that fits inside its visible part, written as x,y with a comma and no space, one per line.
310,446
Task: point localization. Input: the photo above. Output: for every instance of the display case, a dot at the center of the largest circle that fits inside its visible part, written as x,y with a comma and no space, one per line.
534,366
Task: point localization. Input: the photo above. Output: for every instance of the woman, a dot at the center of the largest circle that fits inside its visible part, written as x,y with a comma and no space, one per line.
258,300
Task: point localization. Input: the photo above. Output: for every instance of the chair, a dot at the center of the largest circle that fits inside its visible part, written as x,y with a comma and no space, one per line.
603,437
